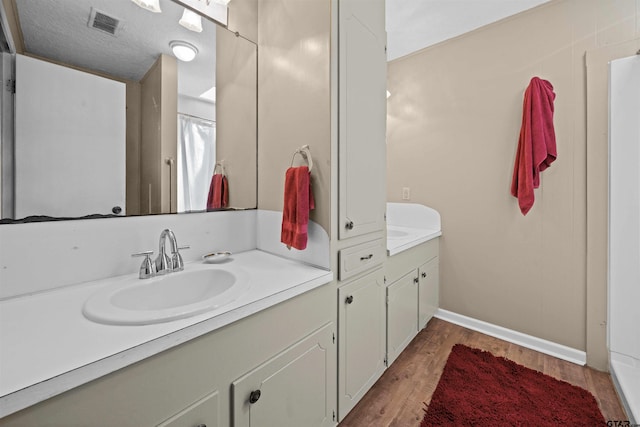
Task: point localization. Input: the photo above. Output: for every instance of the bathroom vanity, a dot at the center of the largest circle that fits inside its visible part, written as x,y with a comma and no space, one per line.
412,273
184,372
299,348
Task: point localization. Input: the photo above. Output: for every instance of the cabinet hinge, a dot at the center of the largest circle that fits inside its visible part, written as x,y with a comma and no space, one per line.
333,338
386,362
334,415
11,85
385,279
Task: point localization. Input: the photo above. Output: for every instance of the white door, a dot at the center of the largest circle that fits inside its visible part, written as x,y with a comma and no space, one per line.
293,389
624,207
428,291
70,141
363,117
361,349
402,314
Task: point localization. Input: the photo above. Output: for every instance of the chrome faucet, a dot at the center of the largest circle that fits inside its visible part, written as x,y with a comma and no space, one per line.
163,263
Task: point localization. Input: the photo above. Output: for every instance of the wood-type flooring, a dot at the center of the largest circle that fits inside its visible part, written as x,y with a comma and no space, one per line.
397,398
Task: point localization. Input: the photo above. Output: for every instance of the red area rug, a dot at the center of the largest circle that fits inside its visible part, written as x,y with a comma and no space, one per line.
480,389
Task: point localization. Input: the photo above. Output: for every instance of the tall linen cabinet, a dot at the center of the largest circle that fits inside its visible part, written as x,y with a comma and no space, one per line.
361,246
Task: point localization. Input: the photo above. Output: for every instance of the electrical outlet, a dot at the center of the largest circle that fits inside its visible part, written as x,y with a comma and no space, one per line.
406,193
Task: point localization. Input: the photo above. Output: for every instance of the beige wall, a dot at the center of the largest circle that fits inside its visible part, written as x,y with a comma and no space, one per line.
453,121
236,115
294,98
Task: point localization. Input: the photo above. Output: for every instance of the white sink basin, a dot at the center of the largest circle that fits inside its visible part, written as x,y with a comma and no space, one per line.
396,234
195,290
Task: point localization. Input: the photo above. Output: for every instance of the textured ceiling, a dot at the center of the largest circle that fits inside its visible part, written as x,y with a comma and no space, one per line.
415,24
58,29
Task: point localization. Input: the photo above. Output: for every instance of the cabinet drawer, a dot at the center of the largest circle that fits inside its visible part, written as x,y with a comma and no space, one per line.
357,259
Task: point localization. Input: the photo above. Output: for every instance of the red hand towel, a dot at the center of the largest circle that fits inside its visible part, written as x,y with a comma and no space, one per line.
537,142
298,201
218,192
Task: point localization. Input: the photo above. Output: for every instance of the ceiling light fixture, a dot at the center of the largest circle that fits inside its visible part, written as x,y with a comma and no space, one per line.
150,5
183,51
191,21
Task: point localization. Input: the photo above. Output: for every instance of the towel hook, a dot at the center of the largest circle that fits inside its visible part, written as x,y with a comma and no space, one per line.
305,152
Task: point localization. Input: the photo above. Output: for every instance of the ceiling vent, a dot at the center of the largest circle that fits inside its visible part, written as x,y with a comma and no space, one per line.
105,23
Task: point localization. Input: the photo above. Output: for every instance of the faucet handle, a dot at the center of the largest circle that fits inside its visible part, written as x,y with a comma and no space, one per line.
176,259
146,268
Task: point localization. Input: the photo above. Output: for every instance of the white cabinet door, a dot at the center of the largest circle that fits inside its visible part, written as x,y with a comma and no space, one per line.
402,312
428,291
362,117
361,347
295,388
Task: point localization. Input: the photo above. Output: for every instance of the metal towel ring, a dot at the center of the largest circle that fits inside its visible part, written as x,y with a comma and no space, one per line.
305,152
219,164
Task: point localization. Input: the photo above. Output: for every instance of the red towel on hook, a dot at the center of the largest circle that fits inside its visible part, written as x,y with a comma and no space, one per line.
298,201
218,192
537,142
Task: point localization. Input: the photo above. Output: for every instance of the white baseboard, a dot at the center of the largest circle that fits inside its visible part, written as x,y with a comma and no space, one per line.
560,351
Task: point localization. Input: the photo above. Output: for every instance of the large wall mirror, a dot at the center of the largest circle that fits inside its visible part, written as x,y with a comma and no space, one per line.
103,115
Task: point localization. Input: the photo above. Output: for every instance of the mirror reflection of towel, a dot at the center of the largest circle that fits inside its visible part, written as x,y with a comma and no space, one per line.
537,143
298,201
218,192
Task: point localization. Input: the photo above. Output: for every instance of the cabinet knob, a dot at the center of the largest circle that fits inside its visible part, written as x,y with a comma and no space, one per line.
424,274
415,280
254,396
349,299
201,425
349,225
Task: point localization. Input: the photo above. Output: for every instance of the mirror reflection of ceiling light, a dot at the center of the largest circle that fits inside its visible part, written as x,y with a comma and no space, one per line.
183,51
150,5
191,21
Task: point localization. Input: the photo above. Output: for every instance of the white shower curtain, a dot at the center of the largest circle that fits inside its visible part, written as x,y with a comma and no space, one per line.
196,160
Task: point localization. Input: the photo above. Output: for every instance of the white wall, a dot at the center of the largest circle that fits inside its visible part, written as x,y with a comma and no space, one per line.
46,255
197,107
624,229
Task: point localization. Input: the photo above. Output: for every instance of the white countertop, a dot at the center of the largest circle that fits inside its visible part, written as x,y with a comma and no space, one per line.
402,238
47,346
409,224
